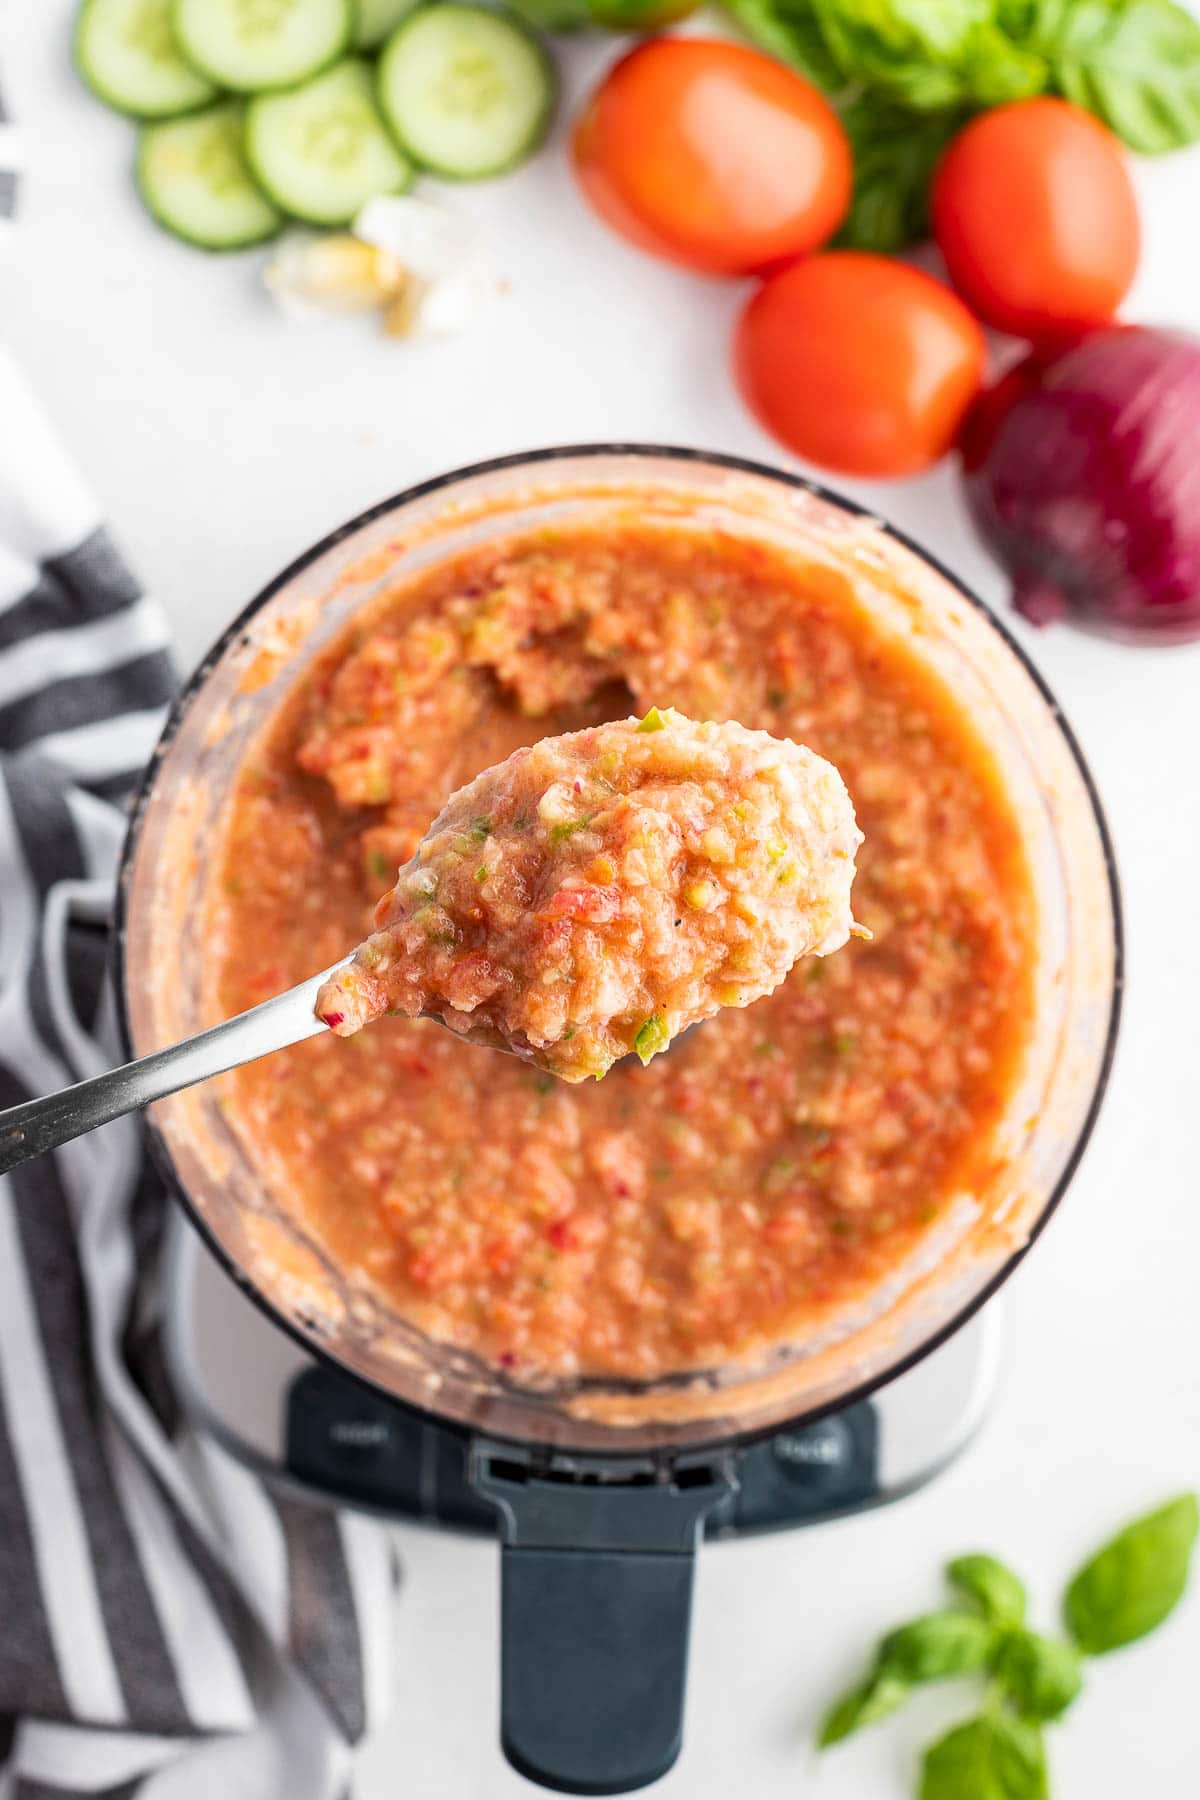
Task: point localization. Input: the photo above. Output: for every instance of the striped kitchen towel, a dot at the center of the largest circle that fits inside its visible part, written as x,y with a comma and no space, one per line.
169,1626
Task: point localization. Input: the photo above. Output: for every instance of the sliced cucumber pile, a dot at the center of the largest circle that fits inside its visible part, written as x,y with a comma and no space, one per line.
375,20
256,111
468,91
321,151
193,176
254,45
126,52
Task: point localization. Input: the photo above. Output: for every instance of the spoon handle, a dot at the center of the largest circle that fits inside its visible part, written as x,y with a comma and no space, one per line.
40,1125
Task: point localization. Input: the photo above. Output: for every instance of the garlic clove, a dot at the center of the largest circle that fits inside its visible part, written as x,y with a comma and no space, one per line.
310,274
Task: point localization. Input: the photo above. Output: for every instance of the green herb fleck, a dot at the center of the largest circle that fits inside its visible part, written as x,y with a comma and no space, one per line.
544,1084
480,829
652,1036
560,833
653,721
779,1174
379,865
482,873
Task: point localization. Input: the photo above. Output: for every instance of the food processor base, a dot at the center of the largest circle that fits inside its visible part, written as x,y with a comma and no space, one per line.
330,1438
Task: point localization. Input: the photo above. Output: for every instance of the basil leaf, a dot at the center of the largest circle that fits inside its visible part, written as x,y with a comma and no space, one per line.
895,153
937,1646
929,1649
1134,63
1131,1585
993,1757
788,29
997,1592
874,1698
553,15
1017,18
929,54
1041,1676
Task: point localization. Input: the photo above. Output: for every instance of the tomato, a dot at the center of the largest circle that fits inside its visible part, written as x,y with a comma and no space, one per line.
713,156
1035,214
859,363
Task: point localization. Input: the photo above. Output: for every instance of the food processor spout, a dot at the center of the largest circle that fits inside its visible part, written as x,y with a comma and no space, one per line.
596,1600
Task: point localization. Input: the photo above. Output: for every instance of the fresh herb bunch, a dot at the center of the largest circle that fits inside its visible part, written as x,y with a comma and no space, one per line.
906,75
1122,1592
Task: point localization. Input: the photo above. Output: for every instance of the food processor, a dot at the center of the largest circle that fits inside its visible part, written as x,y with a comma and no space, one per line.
600,1489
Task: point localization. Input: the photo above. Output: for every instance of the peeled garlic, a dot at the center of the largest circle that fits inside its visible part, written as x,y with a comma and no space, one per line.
417,264
453,273
339,273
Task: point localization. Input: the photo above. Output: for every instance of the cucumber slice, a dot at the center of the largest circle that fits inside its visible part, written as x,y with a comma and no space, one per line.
468,90
321,151
192,174
126,52
376,19
255,45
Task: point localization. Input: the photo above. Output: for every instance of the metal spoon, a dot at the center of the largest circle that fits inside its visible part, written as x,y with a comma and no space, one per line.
40,1125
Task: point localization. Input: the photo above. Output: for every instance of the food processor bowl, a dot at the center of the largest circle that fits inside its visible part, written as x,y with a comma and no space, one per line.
602,1484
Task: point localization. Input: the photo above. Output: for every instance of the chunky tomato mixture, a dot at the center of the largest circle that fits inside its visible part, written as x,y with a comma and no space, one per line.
600,892
778,1160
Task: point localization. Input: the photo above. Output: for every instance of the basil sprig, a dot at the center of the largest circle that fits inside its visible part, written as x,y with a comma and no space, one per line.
1122,1592
905,75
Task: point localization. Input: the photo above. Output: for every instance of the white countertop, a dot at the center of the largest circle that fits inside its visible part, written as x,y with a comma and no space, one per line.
222,442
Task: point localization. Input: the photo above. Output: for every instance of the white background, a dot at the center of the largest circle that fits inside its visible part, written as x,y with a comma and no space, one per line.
222,441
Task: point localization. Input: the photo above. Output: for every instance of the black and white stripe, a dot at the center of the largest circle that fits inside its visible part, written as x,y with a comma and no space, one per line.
11,163
166,1622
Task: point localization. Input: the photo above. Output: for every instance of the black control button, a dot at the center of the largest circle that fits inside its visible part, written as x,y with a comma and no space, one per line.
807,1474
351,1443
826,1446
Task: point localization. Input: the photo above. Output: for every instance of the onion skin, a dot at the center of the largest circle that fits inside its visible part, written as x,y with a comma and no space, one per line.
1082,474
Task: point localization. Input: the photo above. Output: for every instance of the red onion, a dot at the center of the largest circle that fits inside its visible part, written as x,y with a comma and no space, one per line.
1083,477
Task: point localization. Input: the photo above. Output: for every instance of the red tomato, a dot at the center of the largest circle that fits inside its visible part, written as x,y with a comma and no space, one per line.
859,363
713,156
1035,214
